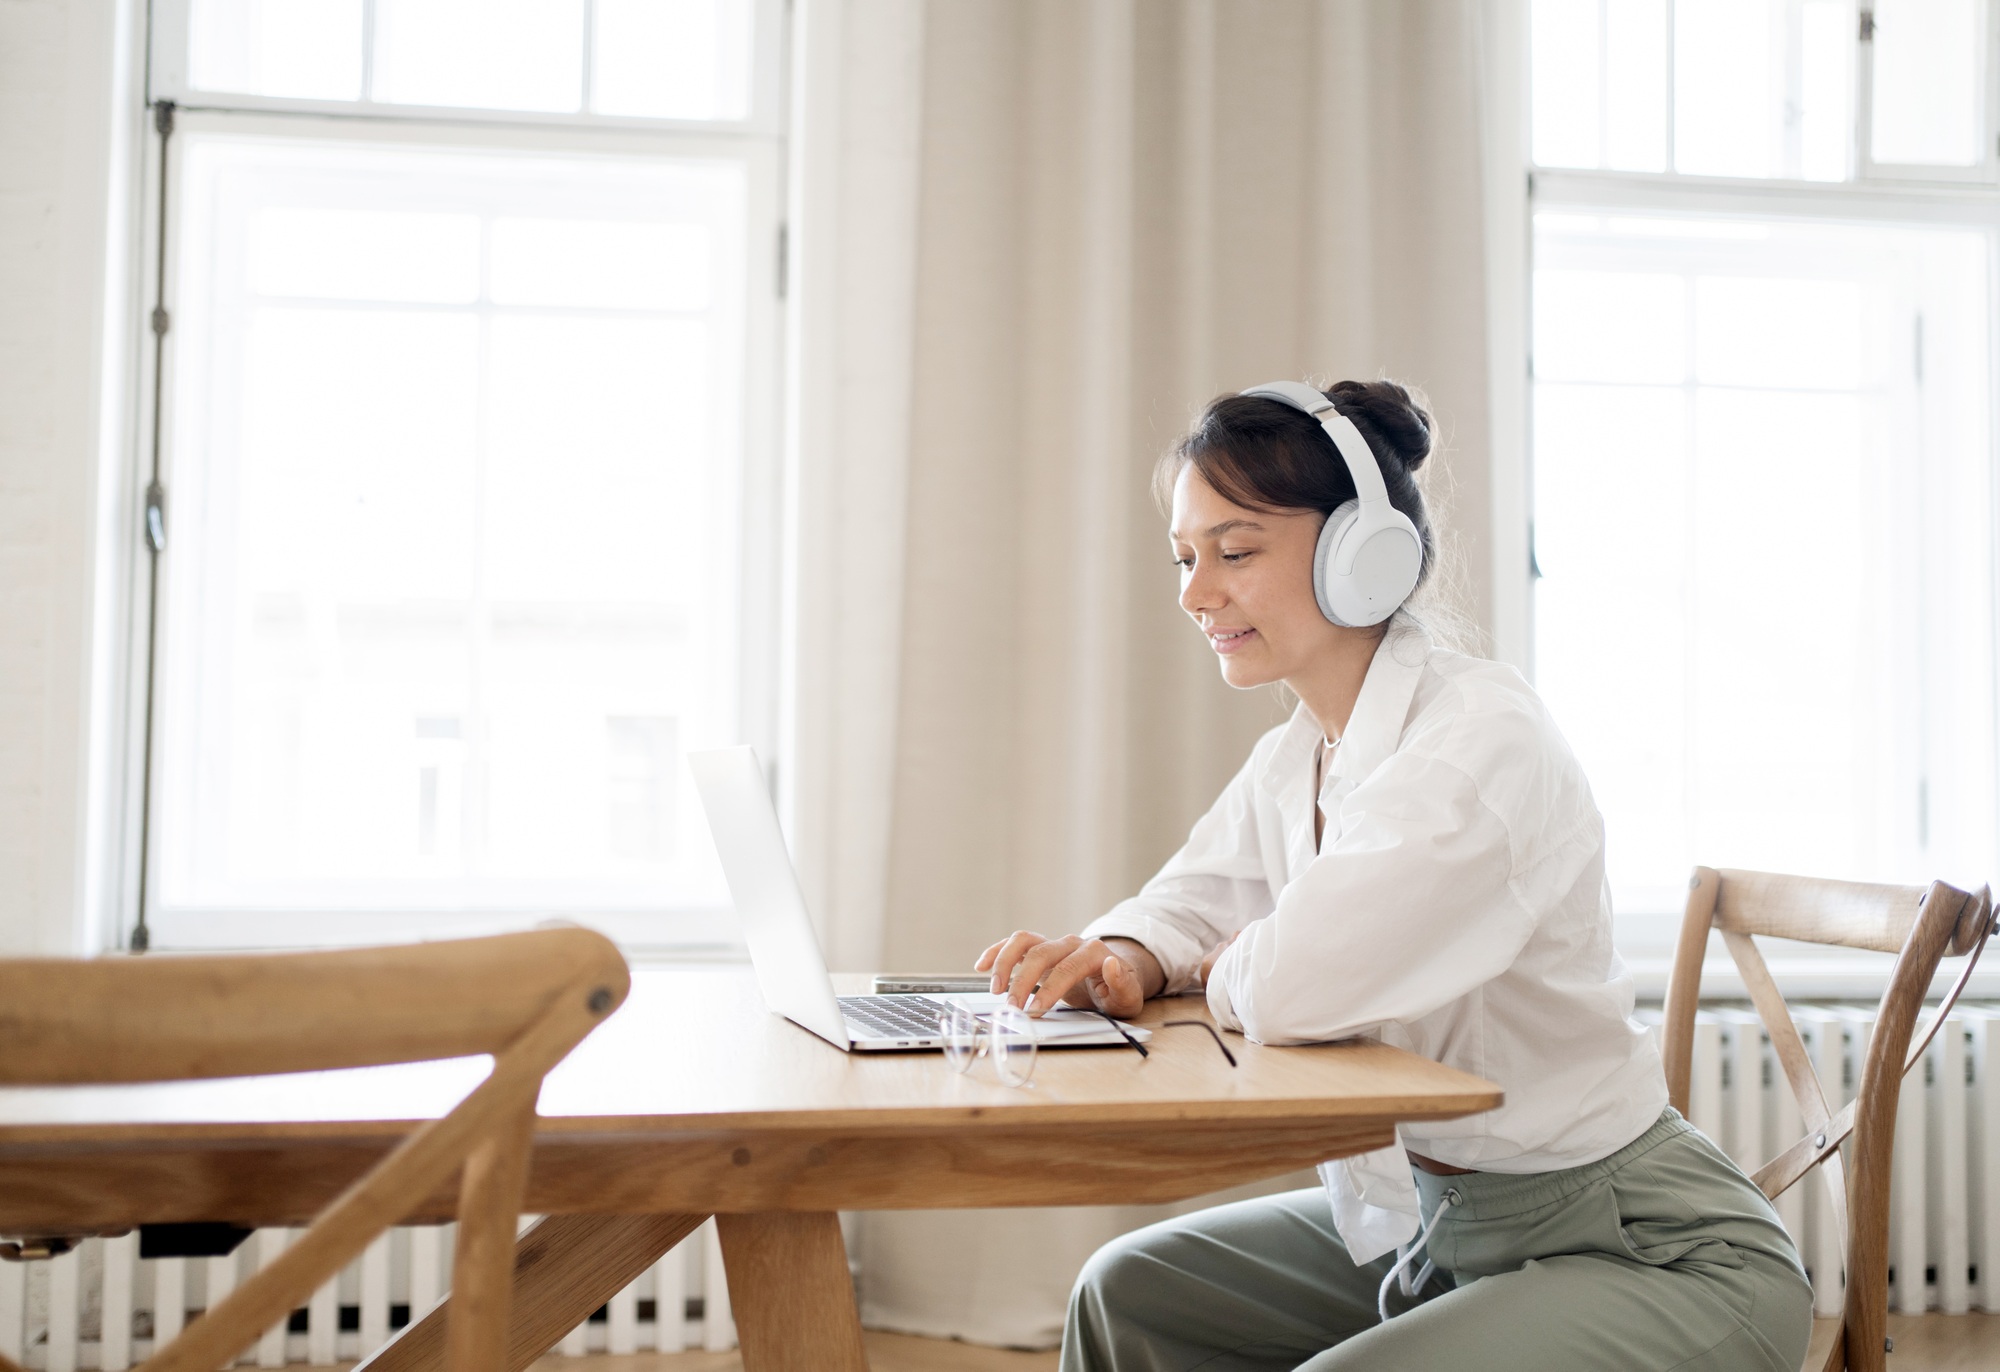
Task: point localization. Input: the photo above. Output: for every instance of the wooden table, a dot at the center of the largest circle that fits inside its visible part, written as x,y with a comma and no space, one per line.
693,1101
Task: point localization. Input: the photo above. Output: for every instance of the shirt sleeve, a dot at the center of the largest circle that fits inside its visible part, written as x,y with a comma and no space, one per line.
1410,908
1214,886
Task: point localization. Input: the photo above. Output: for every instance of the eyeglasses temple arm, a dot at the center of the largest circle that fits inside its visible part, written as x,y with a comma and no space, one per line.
1140,1047
1204,1024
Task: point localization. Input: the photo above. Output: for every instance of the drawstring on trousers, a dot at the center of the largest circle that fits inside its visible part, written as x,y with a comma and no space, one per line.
1413,1284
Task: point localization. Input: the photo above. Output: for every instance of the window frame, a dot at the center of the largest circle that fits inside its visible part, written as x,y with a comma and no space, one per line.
1912,195
758,145
166,79
1986,172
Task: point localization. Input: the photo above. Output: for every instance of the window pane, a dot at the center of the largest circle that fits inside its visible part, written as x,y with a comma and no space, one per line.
1566,83
489,54
648,59
1600,83
1610,326
454,570
1781,764
306,49
1804,332
640,265
1728,87
1826,84
1760,87
1928,79
1611,610
1744,522
337,254
1635,85
672,59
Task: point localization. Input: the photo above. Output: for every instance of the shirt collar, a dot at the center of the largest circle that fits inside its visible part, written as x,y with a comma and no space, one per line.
1383,707
1380,711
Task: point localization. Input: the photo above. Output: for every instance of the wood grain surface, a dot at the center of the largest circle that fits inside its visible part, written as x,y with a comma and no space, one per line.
791,1294
157,1019
692,1092
564,1264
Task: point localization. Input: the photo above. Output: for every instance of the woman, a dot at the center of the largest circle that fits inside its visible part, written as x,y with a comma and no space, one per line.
1415,857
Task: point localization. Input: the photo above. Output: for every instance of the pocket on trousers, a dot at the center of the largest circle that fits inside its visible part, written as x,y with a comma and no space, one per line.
1658,1245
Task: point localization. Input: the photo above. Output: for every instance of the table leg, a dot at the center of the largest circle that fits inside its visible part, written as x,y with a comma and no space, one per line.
790,1292
564,1268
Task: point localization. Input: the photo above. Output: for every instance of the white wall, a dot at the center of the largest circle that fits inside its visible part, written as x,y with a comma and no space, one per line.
67,111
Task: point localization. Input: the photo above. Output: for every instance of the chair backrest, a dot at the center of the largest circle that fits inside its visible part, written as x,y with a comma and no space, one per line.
1918,924
526,999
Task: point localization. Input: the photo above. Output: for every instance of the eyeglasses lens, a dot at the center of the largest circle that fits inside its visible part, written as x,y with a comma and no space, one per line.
960,1030
1013,1046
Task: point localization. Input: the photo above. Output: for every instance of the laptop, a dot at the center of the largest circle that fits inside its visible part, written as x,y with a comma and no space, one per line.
791,971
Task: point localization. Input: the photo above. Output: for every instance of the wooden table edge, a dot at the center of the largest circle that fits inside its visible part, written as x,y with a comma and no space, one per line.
18,1139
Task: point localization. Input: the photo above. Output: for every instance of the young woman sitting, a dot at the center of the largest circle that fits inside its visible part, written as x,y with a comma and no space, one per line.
1415,857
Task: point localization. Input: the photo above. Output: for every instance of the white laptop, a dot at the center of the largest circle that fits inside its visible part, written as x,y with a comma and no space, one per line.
791,972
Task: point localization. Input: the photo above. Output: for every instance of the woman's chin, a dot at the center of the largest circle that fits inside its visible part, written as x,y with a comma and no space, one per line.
1244,675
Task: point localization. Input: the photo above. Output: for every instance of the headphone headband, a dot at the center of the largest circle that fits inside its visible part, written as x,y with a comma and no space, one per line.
1362,464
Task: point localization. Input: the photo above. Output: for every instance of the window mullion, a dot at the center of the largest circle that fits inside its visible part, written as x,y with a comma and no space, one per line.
1671,94
587,65
367,52
1792,56
1864,94
1603,83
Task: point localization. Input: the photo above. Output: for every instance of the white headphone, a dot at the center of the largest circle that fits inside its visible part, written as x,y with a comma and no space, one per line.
1370,554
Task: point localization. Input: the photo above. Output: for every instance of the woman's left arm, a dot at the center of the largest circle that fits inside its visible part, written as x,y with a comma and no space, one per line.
1412,906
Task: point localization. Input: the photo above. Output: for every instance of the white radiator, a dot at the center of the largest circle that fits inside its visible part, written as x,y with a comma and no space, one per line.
100,1306
1944,1195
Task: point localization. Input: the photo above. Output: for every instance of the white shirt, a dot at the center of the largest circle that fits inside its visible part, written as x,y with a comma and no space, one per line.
1456,908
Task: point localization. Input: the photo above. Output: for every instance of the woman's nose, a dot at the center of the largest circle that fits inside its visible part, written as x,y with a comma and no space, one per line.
1198,589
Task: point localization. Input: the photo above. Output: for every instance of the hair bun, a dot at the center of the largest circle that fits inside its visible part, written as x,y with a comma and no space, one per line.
1394,422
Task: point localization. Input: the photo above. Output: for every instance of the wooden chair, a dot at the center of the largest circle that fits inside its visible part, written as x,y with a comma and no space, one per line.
1920,925
526,999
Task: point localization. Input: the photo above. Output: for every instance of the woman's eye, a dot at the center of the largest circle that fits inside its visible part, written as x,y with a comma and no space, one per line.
1234,557
1184,563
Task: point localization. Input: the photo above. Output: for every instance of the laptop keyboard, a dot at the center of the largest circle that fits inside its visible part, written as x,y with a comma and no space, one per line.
899,1017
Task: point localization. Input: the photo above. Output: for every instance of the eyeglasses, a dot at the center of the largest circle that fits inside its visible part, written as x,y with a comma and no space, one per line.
1141,1048
1006,1035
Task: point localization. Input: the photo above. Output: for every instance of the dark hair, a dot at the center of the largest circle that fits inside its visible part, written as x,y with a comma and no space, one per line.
1264,455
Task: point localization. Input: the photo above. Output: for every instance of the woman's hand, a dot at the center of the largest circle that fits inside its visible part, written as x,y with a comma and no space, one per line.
1114,976
1215,956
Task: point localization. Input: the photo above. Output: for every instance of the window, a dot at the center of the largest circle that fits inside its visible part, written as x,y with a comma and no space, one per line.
1763,448
468,442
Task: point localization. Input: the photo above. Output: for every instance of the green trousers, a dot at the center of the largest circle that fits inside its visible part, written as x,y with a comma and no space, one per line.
1661,1256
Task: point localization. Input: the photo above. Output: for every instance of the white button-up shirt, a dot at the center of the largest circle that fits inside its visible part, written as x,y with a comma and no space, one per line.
1456,907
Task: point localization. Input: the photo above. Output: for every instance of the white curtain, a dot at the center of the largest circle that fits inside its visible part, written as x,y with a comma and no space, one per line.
1033,237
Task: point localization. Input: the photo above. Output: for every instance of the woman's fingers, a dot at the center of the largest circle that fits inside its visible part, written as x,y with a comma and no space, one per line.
1070,968
1215,956
1115,989
1078,960
1005,955
1122,995
1035,967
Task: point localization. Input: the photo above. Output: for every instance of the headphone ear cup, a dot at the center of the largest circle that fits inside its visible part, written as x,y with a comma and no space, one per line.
1324,577
1386,557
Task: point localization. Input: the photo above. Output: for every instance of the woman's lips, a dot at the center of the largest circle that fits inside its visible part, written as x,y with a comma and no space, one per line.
1230,640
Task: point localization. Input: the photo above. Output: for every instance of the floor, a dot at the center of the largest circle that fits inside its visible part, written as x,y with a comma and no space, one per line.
886,1353
1924,1343
1935,1343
